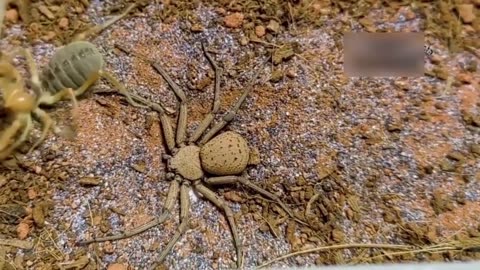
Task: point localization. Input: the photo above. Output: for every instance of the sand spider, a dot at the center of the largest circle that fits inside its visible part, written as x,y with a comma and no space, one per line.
72,70
200,162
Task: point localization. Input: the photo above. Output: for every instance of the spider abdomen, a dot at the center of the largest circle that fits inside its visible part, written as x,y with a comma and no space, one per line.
226,154
71,66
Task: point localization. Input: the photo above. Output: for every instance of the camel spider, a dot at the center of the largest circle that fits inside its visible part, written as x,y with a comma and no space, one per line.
72,70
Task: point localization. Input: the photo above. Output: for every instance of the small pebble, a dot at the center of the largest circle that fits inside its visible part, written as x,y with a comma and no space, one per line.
260,31
63,23
234,20
38,215
475,148
46,11
49,36
466,12
273,26
243,41
464,78
11,15
455,155
197,28
410,15
221,11
117,266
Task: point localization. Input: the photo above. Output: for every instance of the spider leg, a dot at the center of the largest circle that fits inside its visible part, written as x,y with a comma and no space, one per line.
121,88
47,125
166,123
226,119
172,196
184,219
36,85
9,133
182,116
216,101
211,196
164,120
222,180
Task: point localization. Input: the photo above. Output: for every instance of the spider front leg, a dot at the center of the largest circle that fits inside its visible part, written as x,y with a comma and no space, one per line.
121,88
211,196
172,197
184,219
165,121
222,180
182,115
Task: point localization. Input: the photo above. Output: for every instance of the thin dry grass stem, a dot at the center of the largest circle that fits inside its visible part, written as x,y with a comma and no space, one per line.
16,243
95,245
468,244
308,209
47,243
458,245
342,246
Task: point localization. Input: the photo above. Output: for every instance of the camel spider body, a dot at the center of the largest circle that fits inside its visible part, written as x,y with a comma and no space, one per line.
73,69
200,162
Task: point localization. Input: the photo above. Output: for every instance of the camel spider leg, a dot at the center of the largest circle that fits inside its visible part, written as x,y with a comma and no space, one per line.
9,133
97,29
34,77
47,124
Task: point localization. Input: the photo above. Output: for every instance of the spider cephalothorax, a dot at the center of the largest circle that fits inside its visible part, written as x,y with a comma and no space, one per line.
200,162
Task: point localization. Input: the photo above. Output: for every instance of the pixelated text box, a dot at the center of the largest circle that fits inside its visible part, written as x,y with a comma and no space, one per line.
396,54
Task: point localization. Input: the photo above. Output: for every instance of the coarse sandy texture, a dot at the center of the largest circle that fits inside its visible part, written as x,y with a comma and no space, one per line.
375,150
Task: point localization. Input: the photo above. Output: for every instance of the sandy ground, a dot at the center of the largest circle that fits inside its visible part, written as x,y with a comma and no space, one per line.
312,122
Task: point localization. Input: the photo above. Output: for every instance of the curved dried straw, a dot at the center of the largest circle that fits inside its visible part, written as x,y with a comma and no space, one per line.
468,244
